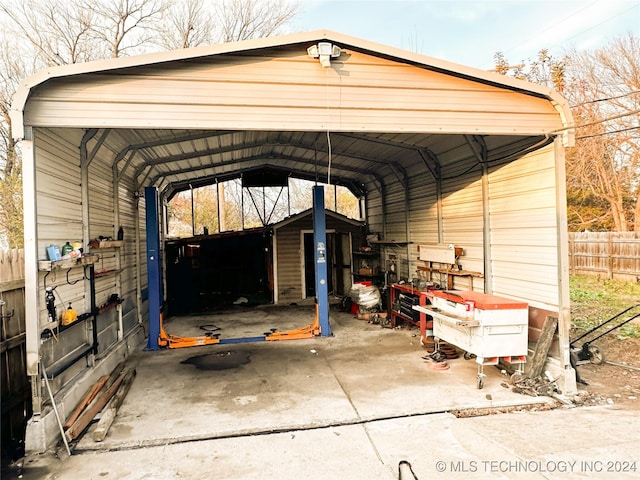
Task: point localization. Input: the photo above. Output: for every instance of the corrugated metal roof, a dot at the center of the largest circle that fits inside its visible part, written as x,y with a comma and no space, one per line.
346,41
215,112
244,47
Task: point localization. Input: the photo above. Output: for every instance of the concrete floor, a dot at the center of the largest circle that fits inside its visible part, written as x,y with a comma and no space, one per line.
362,373
349,406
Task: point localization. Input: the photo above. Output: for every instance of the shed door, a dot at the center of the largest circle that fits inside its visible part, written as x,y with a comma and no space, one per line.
342,263
309,265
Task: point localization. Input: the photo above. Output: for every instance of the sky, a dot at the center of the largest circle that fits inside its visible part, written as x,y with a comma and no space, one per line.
471,32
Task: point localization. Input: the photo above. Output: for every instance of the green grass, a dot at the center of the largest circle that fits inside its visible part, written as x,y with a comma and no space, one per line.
594,300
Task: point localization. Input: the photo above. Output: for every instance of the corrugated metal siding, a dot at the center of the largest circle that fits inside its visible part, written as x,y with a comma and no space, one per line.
463,222
101,201
423,208
59,216
361,93
524,229
396,213
58,202
59,219
103,221
128,259
373,206
395,229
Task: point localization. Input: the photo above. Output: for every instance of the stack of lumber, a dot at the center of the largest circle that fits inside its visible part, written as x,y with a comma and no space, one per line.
104,398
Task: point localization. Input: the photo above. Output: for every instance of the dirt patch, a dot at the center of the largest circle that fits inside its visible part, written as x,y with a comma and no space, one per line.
613,384
610,304
480,412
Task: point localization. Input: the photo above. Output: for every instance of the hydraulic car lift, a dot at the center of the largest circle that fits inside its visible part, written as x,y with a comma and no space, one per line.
167,340
158,337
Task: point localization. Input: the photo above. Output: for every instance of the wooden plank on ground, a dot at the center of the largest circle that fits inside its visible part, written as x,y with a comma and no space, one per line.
536,365
85,419
98,403
86,400
103,387
111,410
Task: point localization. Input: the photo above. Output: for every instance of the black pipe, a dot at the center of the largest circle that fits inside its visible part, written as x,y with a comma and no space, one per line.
94,308
58,371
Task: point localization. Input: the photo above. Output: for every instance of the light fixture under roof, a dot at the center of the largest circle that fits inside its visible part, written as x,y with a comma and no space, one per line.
324,51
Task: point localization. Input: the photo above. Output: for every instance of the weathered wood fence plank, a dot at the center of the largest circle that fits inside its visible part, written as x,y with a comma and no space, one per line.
16,391
614,255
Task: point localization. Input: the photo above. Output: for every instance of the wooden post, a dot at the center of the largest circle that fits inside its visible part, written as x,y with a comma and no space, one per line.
572,253
536,365
610,255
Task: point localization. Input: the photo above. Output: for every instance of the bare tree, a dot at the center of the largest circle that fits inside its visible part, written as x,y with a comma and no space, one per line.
193,23
58,32
188,24
12,69
603,171
604,89
245,19
126,27
40,33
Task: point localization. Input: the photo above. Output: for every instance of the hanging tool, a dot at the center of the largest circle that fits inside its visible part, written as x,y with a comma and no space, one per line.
50,300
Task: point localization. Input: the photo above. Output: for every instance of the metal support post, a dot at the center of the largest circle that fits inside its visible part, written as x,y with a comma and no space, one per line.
320,247
153,266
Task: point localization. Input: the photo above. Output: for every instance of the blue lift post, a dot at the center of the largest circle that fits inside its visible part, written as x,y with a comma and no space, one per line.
320,247
154,278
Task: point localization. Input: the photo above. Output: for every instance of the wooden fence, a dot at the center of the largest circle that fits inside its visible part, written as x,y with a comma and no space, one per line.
16,391
614,255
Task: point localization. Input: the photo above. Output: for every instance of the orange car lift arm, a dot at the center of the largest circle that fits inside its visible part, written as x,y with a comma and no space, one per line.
167,340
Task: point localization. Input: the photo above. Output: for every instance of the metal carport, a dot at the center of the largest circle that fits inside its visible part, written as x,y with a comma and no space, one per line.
441,153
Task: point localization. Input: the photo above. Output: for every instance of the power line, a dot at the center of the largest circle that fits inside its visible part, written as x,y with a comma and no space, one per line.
607,133
579,33
605,99
596,122
559,22
602,22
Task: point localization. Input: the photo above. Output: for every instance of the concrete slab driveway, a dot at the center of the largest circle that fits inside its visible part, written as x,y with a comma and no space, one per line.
362,373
